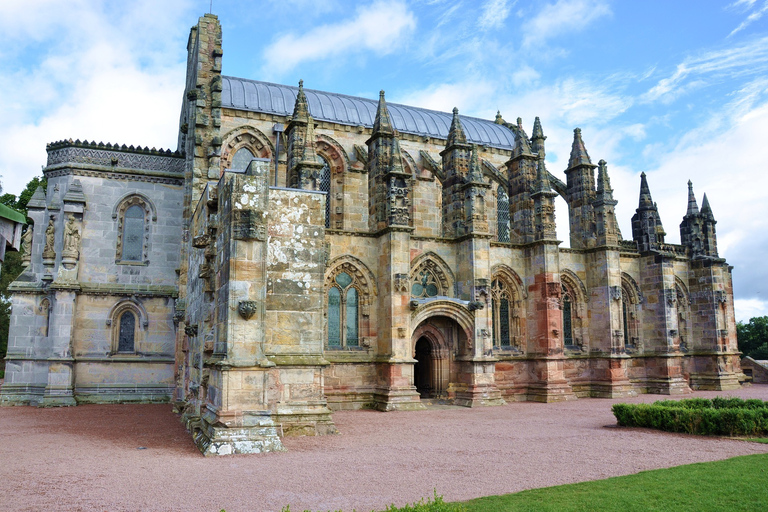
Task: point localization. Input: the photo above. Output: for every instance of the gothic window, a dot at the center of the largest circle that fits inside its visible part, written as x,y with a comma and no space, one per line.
127,332
505,316
343,317
241,159
133,233
430,277
324,185
425,284
502,215
567,309
133,215
630,322
128,318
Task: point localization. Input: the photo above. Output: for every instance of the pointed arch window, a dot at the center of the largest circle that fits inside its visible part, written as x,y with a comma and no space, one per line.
133,233
505,316
241,159
567,309
343,313
324,185
502,215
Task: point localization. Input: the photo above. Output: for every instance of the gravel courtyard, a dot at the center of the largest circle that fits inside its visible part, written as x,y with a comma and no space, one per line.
139,457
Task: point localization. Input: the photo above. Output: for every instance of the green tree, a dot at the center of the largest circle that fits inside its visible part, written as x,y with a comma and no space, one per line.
12,264
753,337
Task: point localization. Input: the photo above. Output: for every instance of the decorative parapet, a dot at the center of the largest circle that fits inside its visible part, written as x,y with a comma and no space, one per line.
114,155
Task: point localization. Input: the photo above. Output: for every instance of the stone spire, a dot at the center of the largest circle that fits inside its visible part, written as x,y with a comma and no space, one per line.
301,107
604,189
499,119
646,201
693,208
382,123
397,158
542,179
309,154
706,210
647,231
537,140
579,155
522,147
456,133
475,174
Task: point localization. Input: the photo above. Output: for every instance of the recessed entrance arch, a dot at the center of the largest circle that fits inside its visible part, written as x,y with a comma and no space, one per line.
434,342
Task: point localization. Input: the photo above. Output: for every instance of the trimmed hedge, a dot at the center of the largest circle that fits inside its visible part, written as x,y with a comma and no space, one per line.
716,417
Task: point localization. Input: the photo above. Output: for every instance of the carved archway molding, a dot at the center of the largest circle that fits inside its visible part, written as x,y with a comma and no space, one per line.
511,277
354,266
245,137
438,267
446,308
572,282
333,152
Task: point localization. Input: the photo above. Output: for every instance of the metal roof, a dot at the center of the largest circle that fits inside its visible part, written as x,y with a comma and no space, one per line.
255,96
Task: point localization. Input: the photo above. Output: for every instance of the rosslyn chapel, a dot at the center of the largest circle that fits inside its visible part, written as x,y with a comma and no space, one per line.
302,252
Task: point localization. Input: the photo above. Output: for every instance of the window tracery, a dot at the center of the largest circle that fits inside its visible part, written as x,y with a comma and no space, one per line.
127,319
429,279
324,185
505,315
349,295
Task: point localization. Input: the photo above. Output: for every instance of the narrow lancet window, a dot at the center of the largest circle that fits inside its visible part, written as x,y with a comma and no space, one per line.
334,317
502,215
127,332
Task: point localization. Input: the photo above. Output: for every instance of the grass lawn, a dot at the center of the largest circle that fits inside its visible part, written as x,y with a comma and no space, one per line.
735,484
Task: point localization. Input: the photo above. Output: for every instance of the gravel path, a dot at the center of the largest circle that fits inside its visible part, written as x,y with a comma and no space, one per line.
139,457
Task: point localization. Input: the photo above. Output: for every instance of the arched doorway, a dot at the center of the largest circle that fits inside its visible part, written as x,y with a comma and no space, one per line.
434,343
422,370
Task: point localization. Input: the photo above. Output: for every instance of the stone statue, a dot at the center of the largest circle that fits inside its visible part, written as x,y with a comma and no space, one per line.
50,233
26,246
71,237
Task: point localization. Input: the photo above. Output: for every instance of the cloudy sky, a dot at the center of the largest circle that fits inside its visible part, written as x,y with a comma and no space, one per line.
676,89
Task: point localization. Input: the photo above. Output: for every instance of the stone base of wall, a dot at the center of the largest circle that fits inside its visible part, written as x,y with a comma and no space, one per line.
350,400
214,440
715,381
304,420
114,394
21,394
397,399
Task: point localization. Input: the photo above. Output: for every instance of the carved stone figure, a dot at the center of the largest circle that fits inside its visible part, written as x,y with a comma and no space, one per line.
71,238
50,235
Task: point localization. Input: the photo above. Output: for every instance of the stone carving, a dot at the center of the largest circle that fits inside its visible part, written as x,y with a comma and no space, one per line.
190,330
168,162
615,292
26,246
475,305
401,283
247,308
71,239
248,225
50,235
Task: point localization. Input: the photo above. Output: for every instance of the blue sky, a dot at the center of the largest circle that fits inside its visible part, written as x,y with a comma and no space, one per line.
678,89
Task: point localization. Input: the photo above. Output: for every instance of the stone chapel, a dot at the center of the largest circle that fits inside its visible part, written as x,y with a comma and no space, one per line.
303,252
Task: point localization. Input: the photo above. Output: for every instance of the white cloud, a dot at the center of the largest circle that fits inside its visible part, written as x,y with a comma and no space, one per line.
494,14
562,17
111,72
749,308
380,28
747,60
751,17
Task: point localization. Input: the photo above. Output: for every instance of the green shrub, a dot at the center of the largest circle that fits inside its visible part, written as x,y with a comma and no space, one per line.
719,416
431,505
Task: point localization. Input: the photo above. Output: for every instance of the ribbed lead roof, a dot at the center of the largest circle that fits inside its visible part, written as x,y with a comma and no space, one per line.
242,94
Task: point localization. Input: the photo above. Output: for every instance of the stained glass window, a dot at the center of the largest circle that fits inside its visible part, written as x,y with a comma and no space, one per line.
127,332
425,285
502,214
133,233
334,317
240,161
